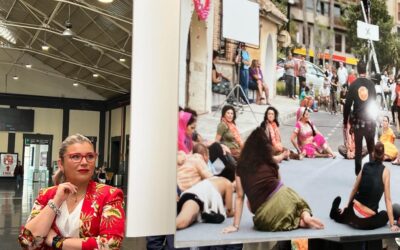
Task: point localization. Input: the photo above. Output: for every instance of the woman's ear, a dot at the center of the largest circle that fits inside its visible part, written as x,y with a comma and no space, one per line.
60,165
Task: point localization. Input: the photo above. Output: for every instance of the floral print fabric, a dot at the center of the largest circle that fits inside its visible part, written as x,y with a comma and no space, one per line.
102,218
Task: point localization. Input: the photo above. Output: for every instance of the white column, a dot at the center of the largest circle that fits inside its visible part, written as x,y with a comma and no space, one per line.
151,208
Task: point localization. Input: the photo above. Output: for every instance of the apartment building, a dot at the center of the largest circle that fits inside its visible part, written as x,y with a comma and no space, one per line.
327,33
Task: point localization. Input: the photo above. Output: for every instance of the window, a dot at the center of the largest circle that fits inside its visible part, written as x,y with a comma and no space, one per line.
324,8
338,42
347,46
309,4
336,11
304,35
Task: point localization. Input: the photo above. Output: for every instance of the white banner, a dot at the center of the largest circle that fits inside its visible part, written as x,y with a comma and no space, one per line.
367,31
7,164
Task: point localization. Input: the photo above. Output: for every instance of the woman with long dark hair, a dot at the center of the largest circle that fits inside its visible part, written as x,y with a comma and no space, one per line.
362,209
227,131
275,206
271,126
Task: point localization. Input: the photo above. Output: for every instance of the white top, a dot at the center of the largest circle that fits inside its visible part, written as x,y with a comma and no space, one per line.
342,75
68,223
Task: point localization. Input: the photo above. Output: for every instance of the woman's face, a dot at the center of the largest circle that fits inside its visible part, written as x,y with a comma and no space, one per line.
190,129
271,115
78,163
306,116
385,122
229,115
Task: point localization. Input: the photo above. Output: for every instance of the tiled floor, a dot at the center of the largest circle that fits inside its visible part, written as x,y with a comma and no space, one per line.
15,206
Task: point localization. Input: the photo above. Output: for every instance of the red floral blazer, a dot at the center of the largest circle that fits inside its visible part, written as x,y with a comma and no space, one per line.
102,218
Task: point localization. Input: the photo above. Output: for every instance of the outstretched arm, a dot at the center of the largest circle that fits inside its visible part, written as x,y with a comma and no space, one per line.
238,208
388,200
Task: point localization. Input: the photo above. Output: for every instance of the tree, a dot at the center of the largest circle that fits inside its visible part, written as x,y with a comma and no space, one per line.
380,17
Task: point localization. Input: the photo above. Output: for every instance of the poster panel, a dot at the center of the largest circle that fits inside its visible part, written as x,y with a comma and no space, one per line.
8,164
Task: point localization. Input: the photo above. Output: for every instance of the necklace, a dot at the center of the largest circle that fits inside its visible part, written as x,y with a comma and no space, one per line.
76,197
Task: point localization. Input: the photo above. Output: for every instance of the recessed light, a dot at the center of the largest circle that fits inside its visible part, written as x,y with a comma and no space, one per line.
122,59
105,1
15,77
45,47
28,66
75,84
95,75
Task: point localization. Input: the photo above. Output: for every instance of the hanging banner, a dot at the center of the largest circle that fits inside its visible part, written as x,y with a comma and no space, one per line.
7,164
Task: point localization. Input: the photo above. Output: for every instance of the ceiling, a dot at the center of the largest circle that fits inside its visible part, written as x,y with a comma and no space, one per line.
103,36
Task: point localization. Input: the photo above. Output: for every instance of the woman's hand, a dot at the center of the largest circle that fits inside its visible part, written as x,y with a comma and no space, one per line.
394,228
50,236
230,229
63,190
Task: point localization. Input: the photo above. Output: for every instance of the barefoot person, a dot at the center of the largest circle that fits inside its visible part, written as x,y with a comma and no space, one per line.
362,209
275,206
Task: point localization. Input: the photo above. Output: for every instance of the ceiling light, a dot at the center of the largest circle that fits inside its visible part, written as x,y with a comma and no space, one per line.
95,75
15,77
68,25
28,65
75,84
105,1
122,59
45,47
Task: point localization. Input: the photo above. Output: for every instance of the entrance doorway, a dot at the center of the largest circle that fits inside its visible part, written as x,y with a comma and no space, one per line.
37,157
115,151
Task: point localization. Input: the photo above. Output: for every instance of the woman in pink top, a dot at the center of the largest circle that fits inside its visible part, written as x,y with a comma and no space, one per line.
310,142
186,128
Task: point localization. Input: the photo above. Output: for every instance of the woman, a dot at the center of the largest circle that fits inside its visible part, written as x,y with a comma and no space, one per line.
387,138
310,142
186,128
275,206
362,209
227,132
220,83
257,82
271,127
76,213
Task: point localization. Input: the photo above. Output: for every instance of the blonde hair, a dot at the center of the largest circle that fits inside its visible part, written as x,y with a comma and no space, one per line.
58,176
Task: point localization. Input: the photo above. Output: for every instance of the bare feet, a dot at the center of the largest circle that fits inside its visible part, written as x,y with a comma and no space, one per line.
307,221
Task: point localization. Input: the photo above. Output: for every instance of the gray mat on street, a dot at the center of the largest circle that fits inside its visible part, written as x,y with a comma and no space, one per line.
319,181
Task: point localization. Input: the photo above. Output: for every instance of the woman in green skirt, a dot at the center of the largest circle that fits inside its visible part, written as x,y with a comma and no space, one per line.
275,206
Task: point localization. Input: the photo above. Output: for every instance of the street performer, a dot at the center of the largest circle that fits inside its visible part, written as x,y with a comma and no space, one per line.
362,94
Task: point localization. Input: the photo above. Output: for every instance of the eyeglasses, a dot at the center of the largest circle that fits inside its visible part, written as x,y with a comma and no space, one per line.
77,157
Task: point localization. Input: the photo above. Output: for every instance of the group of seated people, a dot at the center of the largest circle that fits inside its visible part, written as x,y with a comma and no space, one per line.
208,172
254,173
222,84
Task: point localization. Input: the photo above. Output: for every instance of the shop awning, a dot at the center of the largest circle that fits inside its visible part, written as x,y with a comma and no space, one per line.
336,57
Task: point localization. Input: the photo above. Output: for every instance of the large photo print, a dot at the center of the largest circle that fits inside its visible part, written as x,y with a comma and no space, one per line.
282,139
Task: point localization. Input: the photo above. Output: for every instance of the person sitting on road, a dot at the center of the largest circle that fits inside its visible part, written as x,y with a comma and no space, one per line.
348,150
191,169
275,206
216,166
228,133
362,208
271,126
387,138
307,140
220,83
256,82
203,202
324,95
306,100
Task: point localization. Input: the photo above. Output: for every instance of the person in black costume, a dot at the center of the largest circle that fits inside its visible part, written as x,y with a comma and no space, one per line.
362,209
362,97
